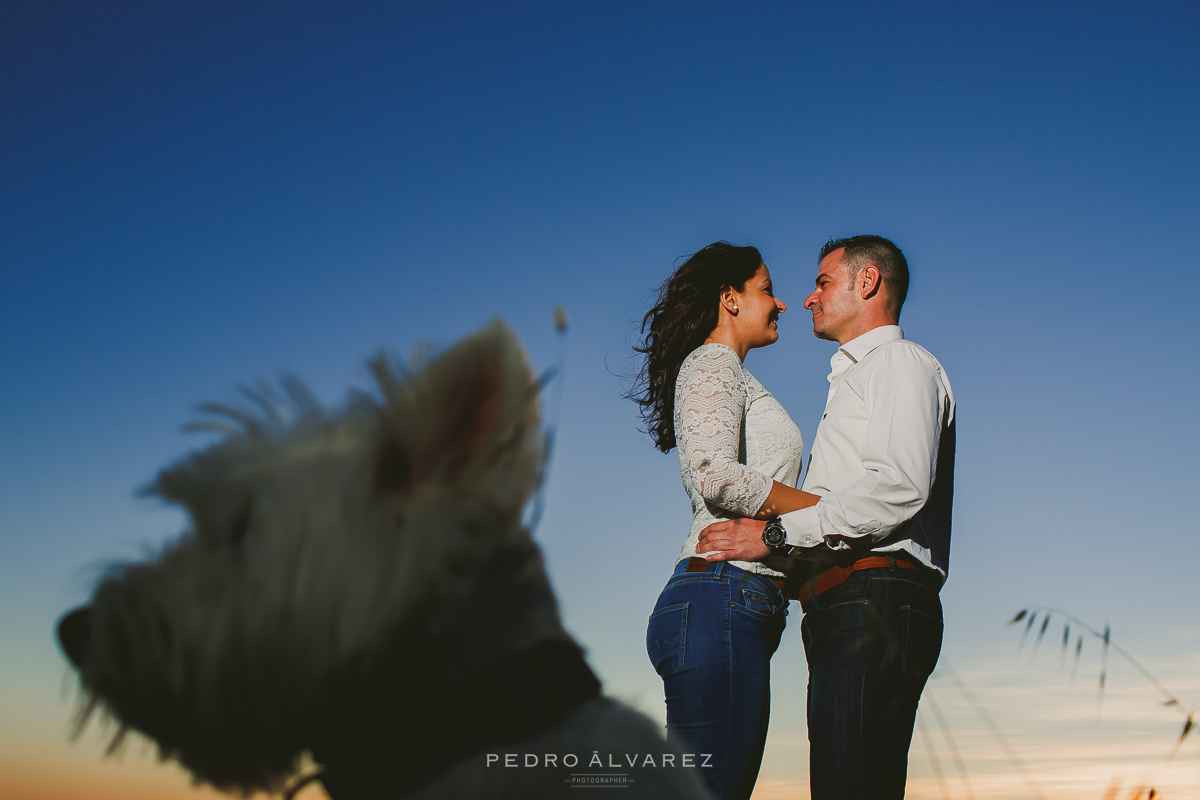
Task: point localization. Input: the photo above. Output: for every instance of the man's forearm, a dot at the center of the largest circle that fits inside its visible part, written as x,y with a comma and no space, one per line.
784,498
859,516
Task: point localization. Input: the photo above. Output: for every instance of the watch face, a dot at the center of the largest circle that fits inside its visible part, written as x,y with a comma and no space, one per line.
774,535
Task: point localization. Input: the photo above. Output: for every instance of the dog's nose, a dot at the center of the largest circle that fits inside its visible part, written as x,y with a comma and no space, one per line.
74,630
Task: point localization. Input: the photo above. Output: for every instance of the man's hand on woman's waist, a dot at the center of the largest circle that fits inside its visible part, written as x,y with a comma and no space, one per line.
737,539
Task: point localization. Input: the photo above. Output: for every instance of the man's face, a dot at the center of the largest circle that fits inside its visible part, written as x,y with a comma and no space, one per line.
835,305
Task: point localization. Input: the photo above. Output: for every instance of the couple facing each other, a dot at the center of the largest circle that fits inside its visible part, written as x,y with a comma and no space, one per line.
864,545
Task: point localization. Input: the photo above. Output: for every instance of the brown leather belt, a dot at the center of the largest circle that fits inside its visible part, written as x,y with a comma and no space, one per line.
697,564
836,576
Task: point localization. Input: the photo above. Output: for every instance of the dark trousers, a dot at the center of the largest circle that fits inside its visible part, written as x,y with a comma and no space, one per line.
711,638
871,643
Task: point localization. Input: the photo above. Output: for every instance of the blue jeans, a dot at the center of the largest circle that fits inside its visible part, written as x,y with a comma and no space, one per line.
711,637
871,644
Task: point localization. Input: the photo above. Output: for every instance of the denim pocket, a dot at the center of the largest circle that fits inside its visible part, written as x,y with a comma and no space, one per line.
922,644
758,603
666,639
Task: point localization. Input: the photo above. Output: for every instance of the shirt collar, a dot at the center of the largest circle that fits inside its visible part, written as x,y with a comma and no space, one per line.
856,349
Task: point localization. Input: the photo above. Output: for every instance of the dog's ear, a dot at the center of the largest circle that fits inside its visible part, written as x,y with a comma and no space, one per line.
468,397
472,408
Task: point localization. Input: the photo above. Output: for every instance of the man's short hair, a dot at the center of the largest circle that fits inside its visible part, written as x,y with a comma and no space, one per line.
883,253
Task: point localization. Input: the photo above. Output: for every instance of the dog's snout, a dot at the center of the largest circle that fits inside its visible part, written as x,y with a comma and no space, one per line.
74,630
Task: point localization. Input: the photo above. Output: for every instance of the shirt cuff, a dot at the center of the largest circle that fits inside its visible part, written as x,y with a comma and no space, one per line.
803,527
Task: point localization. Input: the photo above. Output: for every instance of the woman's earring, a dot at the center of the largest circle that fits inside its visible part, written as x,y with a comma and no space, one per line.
735,309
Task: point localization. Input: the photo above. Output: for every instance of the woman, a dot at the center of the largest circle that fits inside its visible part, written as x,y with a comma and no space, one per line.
716,624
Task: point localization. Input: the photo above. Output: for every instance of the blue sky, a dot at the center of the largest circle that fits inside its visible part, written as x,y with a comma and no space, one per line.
195,195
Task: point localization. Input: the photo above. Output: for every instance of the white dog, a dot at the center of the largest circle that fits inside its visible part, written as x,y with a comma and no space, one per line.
358,586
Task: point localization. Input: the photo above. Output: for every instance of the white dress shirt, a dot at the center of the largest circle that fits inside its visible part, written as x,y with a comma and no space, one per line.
883,457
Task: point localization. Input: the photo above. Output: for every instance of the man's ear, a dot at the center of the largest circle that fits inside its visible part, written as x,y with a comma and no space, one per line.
869,281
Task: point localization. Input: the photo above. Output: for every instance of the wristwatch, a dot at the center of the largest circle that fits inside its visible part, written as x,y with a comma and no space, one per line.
775,537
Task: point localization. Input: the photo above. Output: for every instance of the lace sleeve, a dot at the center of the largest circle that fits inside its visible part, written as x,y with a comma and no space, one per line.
709,402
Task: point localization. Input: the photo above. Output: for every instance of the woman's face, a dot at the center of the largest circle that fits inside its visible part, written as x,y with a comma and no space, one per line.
758,310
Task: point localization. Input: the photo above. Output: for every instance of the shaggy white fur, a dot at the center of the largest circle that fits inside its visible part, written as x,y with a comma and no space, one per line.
339,567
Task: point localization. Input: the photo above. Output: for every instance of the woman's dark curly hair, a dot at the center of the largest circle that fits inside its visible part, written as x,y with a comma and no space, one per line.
685,314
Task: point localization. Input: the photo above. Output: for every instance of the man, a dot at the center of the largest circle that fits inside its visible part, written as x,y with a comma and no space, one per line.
878,539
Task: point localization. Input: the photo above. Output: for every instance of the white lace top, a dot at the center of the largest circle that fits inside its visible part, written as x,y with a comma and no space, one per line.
734,438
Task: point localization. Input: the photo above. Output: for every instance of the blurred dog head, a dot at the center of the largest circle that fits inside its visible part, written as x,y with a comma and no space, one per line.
316,539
